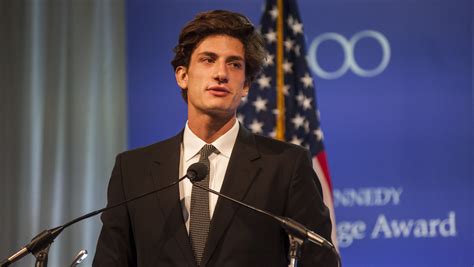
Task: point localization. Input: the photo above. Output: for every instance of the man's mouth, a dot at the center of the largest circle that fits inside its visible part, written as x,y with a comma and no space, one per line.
218,90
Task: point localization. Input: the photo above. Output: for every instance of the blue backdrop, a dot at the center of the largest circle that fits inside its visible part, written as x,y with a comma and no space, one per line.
394,85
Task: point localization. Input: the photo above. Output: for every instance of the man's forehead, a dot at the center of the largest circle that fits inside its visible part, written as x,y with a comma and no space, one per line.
220,45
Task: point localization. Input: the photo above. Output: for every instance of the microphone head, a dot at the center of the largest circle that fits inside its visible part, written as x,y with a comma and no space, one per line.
197,172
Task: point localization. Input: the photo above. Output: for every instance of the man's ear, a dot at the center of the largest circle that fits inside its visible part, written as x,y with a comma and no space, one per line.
245,90
181,75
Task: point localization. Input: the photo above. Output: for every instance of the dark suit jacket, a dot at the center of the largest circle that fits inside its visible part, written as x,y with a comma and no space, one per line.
271,175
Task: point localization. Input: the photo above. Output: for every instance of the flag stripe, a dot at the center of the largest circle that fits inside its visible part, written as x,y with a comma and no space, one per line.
327,193
321,158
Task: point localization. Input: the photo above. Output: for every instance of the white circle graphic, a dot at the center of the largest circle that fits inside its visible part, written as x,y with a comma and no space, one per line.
348,47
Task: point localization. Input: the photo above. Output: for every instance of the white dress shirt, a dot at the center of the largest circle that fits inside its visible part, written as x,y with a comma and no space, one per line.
190,148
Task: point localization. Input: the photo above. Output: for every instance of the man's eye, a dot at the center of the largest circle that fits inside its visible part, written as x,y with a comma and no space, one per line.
236,65
207,60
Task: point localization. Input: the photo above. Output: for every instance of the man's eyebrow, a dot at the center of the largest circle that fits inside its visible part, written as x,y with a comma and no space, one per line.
214,55
209,54
235,58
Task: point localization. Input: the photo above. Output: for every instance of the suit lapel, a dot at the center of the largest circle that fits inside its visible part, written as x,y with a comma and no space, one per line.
165,170
241,171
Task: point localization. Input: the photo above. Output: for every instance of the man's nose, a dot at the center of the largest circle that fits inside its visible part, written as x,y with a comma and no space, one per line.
220,72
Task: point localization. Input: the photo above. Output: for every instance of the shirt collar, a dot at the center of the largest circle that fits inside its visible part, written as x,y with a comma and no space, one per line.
193,144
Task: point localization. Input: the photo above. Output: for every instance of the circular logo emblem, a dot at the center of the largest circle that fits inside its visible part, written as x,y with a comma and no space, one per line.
348,47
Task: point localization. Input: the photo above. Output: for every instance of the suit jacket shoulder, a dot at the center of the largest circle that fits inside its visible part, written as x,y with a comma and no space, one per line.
156,151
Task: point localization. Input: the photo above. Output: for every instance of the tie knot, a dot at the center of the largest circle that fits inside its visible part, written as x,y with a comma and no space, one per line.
207,150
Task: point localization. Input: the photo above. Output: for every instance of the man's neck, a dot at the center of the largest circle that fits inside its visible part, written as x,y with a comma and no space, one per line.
210,129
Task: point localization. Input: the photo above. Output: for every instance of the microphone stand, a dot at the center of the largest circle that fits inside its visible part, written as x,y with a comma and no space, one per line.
42,257
294,252
297,232
40,244
80,257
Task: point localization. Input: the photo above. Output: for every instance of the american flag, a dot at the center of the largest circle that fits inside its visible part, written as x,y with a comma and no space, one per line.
259,111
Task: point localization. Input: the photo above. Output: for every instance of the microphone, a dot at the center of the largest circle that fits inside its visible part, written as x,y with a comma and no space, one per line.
44,239
294,228
197,172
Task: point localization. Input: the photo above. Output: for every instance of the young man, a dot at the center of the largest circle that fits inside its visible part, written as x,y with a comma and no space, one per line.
218,55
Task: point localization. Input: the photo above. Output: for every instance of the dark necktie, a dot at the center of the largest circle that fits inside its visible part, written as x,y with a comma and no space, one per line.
200,218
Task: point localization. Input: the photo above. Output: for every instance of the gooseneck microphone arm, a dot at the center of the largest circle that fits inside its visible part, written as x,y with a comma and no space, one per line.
40,243
293,228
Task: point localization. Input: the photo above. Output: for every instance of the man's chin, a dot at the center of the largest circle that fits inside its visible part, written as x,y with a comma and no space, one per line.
219,112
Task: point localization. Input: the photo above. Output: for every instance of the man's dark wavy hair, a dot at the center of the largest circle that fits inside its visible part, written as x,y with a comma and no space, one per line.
219,22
